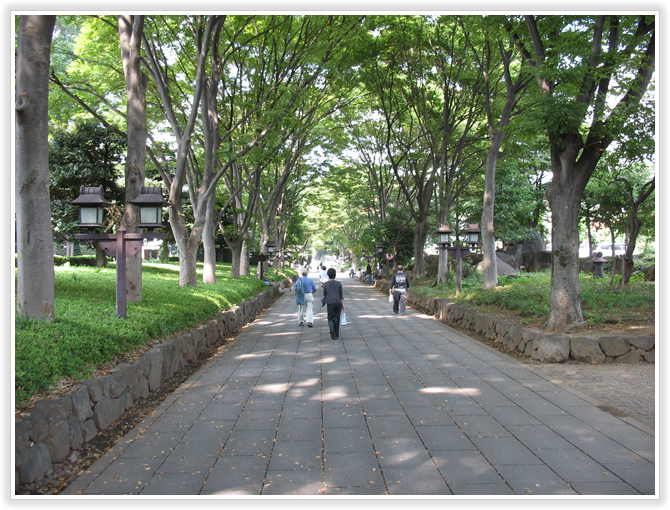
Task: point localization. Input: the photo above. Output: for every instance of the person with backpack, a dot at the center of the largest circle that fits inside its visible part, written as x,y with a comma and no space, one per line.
304,297
334,302
399,288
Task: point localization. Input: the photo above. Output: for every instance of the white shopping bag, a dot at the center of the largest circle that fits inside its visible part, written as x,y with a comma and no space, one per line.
391,297
343,319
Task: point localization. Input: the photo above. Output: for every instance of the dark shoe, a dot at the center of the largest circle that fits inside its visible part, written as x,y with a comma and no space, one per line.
301,324
309,324
332,334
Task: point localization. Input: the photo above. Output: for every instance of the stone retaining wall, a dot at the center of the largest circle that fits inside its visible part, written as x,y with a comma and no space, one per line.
546,348
56,427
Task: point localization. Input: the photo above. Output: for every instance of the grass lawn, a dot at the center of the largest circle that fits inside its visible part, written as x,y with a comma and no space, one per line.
87,333
525,297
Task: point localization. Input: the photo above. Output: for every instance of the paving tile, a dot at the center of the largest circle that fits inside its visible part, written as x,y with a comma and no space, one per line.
257,420
429,416
209,431
249,443
290,455
416,481
534,480
351,416
291,428
481,426
573,465
294,483
639,474
237,473
343,440
481,489
352,469
604,488
158,444
390,426
443,438
402,452
124,476
505,450
178,483
465,466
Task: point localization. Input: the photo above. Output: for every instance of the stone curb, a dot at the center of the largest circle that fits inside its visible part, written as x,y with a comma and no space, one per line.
545,348
56,427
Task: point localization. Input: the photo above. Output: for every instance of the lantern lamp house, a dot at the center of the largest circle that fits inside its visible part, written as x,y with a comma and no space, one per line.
121,244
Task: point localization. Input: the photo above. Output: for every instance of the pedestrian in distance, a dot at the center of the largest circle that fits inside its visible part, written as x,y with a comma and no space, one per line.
304,297
333,299
324,275
399,288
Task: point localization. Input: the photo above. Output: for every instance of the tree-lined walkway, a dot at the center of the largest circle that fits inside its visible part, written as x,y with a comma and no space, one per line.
398,405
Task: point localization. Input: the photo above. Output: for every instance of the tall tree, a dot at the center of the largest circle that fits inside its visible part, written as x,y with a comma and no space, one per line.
592,74
131,29
495,60
35,275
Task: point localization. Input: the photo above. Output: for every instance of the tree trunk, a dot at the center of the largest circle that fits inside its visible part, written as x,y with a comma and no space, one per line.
488,229
420,234
34,244
130,37
245,264
188,247
209,243
564,196
235,246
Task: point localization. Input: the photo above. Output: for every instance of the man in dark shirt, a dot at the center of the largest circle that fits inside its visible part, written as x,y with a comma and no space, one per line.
399,288
334,301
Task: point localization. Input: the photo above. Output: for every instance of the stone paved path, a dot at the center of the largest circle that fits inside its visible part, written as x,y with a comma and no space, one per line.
400,405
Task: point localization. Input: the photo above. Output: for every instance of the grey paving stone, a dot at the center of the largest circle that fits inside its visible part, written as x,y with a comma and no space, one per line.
415,481
505,450
366,490
534,480
290,455
604,488
481,426
149,445
573,465
512,416
639,474
299,429
167,484
237,473
351,417
465,466
443,438
429,416
257,420
209,431
343,439
390,426
294,483
124,477
402,452
221,411
481,489
249,443
351,469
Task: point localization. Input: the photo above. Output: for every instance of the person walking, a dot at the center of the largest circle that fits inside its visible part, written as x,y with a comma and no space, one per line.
304,297
399,288
334,302
324,275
